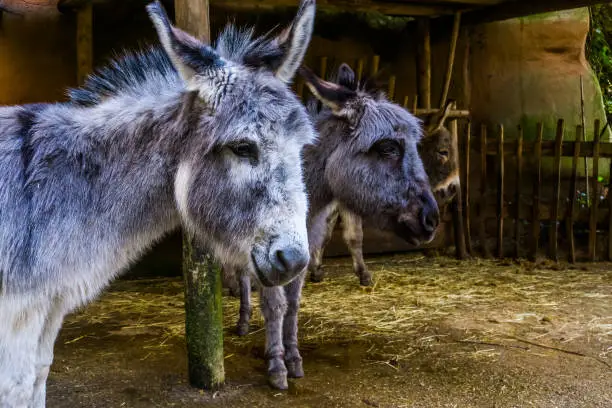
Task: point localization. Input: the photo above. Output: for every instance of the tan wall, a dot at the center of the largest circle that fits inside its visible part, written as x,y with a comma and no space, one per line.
37,59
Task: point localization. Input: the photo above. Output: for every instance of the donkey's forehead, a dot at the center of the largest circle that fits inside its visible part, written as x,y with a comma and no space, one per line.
267,114
383,119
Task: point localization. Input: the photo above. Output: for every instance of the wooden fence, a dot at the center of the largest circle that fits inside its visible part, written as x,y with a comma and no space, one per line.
542,200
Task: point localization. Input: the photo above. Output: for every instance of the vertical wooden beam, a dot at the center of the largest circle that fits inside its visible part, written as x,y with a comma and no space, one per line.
406,101
517,193
466,187
203,309
457,204
500,191
299,87
424,61
554,214
359,71
84,42
467,82
595,194
193,16
537,185
323,67
391,88
572,195
482,205
451,59
375,65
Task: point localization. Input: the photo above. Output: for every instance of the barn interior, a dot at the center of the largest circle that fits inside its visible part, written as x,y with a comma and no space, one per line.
499,327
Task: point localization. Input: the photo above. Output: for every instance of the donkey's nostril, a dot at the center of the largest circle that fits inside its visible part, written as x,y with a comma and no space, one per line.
290,260
430,220
430,215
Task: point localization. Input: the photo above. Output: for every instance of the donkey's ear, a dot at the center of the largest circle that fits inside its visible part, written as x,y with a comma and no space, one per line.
346,77
436,121
189,55
293,41
334,96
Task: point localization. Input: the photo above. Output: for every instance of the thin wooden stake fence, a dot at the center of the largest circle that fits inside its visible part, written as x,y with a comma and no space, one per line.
554,195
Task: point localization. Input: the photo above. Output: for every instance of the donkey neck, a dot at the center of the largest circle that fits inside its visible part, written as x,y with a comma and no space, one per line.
321,198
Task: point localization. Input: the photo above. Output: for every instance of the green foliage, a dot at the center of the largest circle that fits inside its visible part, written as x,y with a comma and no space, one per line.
599,50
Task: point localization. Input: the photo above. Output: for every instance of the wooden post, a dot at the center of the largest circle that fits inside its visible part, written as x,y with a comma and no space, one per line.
359,71
375,65
537,181
595,195
84,42
406,101
500,192
554,217
466,188
517,193
203,312
572,195
193,17
482,205
451,59
415,104
323,67
300,88
424,61
391,88
457,206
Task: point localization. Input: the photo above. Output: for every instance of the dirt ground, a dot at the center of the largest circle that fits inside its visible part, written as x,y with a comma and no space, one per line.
433,332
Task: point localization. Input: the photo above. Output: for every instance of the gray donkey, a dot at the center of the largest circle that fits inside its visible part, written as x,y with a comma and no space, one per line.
439,152
367,161
210,138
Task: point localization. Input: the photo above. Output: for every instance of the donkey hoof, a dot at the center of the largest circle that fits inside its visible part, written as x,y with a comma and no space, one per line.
294,368
242,329
278,380
316,278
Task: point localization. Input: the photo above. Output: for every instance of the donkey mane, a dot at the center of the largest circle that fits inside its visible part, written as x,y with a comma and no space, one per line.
150,69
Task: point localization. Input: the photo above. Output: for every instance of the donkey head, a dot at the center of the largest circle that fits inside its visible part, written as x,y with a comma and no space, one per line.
373,166
239,183
439,152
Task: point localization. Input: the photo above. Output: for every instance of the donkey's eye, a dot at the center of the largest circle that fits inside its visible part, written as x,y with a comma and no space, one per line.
388,148
244,149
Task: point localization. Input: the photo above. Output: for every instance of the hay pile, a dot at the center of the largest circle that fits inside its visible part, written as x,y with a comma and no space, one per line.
416,301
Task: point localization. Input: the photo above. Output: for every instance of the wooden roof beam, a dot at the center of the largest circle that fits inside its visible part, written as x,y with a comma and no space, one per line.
389,8
515,8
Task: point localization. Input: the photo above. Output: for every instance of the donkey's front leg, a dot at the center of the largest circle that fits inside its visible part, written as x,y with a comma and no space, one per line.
353,237
23,322
293,359
273,308
44,356
246,310
315,267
